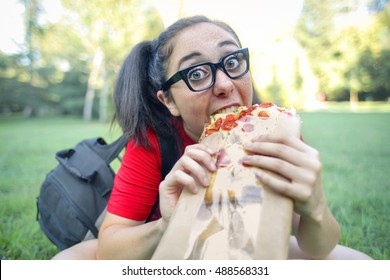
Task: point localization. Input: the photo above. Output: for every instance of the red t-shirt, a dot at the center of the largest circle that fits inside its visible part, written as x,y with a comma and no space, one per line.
137,182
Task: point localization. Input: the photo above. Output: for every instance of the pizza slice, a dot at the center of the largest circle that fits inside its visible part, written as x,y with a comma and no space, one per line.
236,217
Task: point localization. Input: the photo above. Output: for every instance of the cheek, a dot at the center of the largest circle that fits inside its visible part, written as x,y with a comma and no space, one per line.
194,114
194,111
247,91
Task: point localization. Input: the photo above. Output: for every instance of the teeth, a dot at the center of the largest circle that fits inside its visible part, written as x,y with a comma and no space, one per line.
232,109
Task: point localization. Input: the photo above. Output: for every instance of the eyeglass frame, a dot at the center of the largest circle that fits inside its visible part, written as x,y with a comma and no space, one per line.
182,74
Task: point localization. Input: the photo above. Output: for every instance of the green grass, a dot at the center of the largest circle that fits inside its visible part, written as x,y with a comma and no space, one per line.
26,154
354,149
355,153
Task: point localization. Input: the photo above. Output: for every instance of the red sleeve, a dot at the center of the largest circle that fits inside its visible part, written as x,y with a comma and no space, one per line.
136,184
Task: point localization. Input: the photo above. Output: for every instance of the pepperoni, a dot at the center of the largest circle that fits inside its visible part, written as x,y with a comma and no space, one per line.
229,122
217,124
248,127
266,105
247,111
210,131
263,114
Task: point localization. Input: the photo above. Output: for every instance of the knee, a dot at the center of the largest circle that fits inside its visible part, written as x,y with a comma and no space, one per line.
85,250
345,253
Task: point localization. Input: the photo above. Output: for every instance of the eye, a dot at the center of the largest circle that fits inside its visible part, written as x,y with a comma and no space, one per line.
198,74
233,62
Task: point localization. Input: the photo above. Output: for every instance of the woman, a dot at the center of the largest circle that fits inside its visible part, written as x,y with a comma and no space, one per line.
170,87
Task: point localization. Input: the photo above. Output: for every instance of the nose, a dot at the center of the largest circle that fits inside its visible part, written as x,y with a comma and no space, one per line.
223,85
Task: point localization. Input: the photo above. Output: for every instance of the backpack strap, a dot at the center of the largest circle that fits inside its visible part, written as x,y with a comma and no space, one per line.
108,152
169,152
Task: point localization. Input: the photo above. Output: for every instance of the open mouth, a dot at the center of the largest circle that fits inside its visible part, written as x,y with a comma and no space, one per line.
232,109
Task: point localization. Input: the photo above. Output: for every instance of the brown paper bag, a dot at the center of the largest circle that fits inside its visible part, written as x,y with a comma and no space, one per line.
236,217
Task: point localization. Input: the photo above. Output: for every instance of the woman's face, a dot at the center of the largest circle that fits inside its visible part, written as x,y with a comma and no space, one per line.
204,42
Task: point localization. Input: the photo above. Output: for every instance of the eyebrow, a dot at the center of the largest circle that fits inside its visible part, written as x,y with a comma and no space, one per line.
188,57
228,43
196,54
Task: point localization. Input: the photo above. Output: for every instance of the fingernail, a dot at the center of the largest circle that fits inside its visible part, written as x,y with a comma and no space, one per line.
248,146
246,159
205,181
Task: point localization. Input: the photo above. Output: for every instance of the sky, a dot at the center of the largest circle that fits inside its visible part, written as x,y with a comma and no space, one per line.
251,19
11,22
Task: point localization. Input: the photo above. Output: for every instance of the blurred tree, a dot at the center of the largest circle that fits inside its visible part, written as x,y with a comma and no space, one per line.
63,64
108,29
374,63
33,30
315,32
12,88
337,41
275,89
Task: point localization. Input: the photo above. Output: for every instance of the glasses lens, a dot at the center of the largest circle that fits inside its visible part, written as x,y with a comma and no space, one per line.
236,64
200,77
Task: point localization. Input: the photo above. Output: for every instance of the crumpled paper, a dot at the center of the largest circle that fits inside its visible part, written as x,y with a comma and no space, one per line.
236,217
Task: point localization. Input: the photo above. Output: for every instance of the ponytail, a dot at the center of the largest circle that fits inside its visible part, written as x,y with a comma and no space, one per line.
136,103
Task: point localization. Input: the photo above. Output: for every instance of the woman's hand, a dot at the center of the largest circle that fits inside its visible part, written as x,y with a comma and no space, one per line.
190,171
298,164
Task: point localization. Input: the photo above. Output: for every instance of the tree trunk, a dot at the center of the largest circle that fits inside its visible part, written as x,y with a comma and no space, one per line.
92,84
353,99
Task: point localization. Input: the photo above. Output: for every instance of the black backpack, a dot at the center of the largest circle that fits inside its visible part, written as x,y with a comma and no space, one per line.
73,197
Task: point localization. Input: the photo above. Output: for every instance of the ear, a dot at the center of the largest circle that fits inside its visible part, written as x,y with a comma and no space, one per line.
168,102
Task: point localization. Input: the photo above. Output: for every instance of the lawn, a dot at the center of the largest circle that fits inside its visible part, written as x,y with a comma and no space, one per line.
354,149
355,152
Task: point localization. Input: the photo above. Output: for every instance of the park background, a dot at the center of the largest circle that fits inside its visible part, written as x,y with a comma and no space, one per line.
330,59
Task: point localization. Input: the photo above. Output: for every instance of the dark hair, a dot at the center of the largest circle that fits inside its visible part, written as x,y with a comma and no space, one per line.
141,76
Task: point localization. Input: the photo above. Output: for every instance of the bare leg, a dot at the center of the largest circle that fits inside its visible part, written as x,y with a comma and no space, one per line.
85,250
339,253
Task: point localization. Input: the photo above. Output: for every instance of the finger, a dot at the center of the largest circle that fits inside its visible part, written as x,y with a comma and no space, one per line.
190,166
201,147
289,140
283,152
292,172
276,165
202,155
177,180
297,192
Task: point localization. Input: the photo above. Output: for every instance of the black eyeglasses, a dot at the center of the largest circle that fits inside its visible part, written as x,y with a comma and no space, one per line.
201,76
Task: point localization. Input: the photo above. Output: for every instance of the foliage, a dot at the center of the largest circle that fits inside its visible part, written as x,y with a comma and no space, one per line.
347,56
55,68
52,73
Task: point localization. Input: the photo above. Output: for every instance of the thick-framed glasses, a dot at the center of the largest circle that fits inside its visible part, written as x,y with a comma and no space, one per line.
201,76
